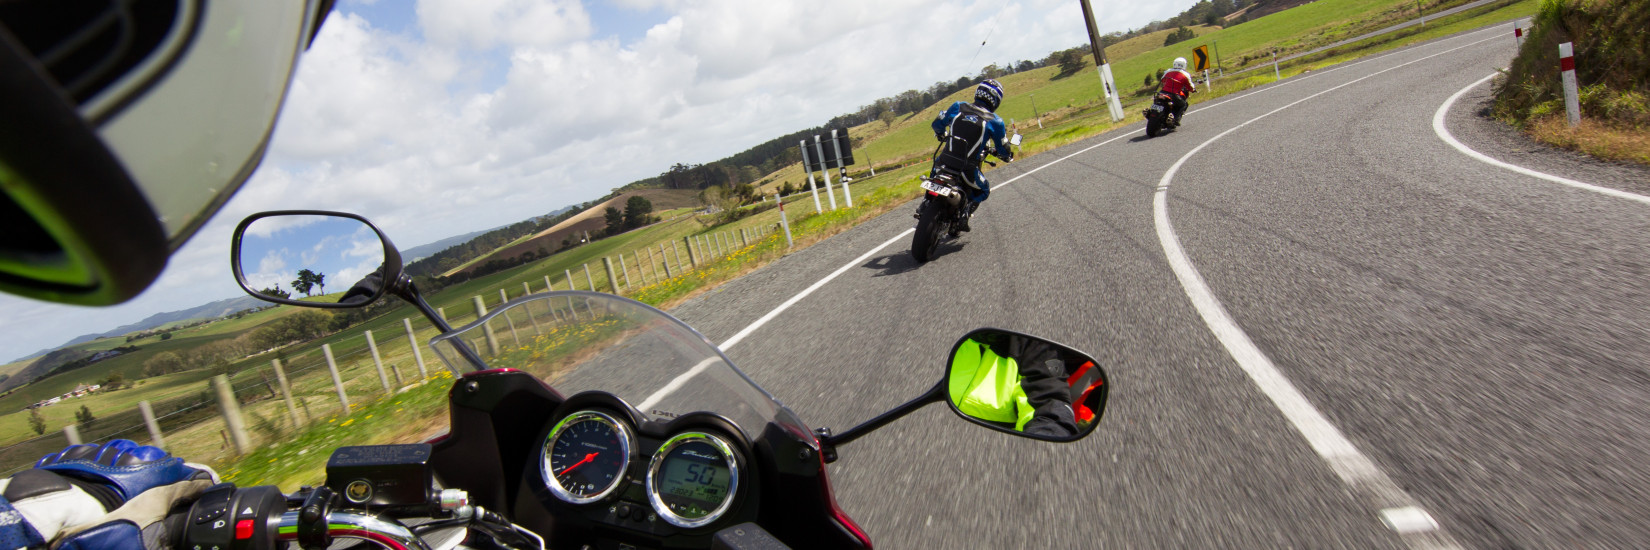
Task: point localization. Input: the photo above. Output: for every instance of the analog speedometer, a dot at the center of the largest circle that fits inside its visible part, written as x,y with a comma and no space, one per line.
585,457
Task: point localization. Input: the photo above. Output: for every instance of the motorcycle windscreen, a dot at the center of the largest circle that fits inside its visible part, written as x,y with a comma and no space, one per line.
579,341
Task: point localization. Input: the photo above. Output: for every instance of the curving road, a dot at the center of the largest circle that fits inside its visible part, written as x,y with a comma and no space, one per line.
1325,327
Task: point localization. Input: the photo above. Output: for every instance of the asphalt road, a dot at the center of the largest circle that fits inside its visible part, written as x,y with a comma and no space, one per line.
1476,334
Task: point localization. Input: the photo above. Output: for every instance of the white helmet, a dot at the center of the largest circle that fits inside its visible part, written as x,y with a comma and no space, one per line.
128,127
1180,63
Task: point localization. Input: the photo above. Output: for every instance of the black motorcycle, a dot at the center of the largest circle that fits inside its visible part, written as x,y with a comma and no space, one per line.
944,207
1161,115
611,425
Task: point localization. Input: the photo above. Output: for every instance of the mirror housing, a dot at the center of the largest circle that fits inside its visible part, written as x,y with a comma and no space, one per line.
1014,140
327,234
1024,385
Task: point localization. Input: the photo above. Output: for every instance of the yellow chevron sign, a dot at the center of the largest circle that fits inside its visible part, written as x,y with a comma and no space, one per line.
1200,56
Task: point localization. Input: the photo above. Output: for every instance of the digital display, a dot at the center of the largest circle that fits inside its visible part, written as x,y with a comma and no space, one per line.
694,480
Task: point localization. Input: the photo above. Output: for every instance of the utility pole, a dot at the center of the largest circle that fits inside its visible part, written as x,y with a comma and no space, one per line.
1218,68
1100,63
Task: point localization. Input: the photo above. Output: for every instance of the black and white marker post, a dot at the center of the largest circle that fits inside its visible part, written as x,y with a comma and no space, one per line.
837,145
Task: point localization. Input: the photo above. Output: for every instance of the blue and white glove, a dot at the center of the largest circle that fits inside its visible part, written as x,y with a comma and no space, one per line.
112,495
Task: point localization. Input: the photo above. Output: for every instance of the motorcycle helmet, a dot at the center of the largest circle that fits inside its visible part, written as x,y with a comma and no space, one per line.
1180,63
128,124
989,95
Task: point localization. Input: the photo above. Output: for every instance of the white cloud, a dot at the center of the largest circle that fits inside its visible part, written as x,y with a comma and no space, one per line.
487,112
483,24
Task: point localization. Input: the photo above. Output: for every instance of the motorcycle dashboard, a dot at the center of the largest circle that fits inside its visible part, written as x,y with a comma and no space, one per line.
613,471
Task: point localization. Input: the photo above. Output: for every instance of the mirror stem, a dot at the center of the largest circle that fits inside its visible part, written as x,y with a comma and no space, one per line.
406,290
933,395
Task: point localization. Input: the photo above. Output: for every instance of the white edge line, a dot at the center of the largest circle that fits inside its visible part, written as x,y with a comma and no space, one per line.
1439,128
1343,457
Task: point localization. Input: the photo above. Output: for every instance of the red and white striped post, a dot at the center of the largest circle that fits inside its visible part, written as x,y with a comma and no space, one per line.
1567,63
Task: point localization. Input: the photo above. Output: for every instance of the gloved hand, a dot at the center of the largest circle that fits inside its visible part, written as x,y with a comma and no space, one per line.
96,496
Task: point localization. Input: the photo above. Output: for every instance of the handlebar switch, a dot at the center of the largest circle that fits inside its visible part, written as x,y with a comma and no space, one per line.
226,518
312,519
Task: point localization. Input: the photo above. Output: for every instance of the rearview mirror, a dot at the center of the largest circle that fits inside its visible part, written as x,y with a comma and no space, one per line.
308,250
1024,385
1014,140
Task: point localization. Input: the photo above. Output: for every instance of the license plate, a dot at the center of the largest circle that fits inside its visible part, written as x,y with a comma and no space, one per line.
1157,107
938,189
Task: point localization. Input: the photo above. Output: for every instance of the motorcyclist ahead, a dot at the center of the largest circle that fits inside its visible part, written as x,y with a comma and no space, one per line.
969,131
1178,84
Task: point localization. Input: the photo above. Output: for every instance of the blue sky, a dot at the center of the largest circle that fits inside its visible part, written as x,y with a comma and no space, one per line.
436,118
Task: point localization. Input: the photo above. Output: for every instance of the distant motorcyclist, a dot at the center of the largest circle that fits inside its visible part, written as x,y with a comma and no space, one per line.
968,129
1178,84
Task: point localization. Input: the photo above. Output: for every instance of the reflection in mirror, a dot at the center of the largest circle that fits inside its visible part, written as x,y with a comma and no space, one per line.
296,257
1025,385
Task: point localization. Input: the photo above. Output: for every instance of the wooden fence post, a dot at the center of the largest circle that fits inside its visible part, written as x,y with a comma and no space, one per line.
666,259
337,383
692,258
286,392
612,280
587,280
232,414
155,438
569,275
412,340
487,328
379,363
505,297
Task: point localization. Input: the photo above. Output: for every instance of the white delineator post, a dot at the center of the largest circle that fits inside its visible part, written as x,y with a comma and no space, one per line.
1275,72
1567,63
1518,36
825,173
838,146
803,145
784,222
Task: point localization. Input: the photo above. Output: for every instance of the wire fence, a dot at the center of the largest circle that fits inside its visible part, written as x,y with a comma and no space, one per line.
368,365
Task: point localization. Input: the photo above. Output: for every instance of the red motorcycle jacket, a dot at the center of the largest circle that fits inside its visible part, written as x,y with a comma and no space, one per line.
1178,82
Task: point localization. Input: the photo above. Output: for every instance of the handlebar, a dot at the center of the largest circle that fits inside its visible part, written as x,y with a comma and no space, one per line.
388,534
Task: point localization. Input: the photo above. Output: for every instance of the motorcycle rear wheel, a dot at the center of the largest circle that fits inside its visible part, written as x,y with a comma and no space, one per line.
929,227
1153,127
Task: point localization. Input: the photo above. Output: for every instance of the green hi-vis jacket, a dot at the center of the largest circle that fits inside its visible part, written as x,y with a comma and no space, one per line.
985,385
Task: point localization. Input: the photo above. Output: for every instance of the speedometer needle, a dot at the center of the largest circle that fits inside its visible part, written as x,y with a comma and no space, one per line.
587,458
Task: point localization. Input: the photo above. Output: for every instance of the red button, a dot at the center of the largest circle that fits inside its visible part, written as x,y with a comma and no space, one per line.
243,529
